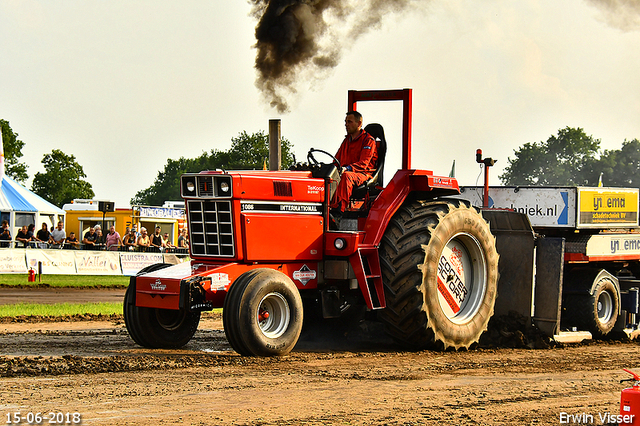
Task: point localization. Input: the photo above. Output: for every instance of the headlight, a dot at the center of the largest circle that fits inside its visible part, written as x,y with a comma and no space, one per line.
188,186
223,186
339,243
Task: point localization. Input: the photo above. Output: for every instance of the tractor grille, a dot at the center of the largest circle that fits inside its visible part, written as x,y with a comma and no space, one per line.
211,228
205,186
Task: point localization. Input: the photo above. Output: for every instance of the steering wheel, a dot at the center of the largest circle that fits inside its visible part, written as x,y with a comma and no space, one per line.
311,158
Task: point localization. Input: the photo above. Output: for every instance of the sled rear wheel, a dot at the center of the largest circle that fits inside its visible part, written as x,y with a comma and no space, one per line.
154,327
597,311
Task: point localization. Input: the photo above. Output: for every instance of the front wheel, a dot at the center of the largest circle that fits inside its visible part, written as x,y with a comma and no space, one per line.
440,272
262,313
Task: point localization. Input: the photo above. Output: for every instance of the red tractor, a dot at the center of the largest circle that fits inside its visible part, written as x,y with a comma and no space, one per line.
263,247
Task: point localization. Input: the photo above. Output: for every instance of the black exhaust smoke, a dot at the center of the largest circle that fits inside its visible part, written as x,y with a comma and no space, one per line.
622,14
304,39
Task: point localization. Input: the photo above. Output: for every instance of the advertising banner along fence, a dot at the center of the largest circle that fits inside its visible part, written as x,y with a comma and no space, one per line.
83,262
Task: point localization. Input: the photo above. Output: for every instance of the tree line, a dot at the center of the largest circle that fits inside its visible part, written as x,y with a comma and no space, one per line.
573,158
247,152
569,158
64,178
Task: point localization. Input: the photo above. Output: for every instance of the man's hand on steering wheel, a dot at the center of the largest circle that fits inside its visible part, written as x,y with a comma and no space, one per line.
311,158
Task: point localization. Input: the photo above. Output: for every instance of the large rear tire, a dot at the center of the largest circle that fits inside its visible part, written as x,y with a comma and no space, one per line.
158,328
440,272
263,313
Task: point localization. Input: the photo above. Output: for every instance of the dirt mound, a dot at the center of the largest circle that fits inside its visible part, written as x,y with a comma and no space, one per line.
66,318
514,331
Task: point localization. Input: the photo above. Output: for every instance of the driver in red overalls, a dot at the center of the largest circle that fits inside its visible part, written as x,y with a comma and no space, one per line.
358,157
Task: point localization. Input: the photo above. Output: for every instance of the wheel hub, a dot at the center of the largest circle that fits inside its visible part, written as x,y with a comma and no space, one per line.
170,319
273,315
461,278
605,307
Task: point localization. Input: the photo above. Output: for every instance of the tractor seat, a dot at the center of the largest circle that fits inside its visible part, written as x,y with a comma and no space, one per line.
369,187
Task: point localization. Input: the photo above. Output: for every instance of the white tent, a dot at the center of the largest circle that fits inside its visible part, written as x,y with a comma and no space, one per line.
20,207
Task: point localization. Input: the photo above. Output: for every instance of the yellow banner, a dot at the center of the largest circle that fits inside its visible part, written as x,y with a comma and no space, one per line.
608,206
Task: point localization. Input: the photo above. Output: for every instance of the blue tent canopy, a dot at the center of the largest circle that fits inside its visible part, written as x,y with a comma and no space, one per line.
16,201
12,200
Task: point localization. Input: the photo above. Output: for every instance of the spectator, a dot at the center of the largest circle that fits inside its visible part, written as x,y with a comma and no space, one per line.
23,237
72,241
5,235
58,235
97,228
90,238
166,242
113,239
43,235
99,240
156,239
143,241
183,242
130,240
30,232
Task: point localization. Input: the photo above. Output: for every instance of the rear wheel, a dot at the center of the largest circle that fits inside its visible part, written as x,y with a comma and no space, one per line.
596,312
440,271
158,328
262,313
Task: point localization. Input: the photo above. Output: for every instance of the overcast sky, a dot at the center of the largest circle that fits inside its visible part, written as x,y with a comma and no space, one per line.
125,85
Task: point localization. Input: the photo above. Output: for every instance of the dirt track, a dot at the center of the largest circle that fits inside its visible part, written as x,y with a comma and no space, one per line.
93,368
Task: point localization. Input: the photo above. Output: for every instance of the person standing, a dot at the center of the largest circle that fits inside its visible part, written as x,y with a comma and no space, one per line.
23,237
130,239
90,239
5,235
99,239
71,241
156,239
31,237
43,235
183,242
58,235
113,239
166,242
143,240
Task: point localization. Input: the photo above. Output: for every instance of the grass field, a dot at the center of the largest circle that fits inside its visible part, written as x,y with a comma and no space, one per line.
60,309
65,280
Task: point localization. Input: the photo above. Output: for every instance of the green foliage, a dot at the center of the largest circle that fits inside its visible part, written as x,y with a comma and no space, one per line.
12,153
247,152
567,159
570,159
63,180
620,167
